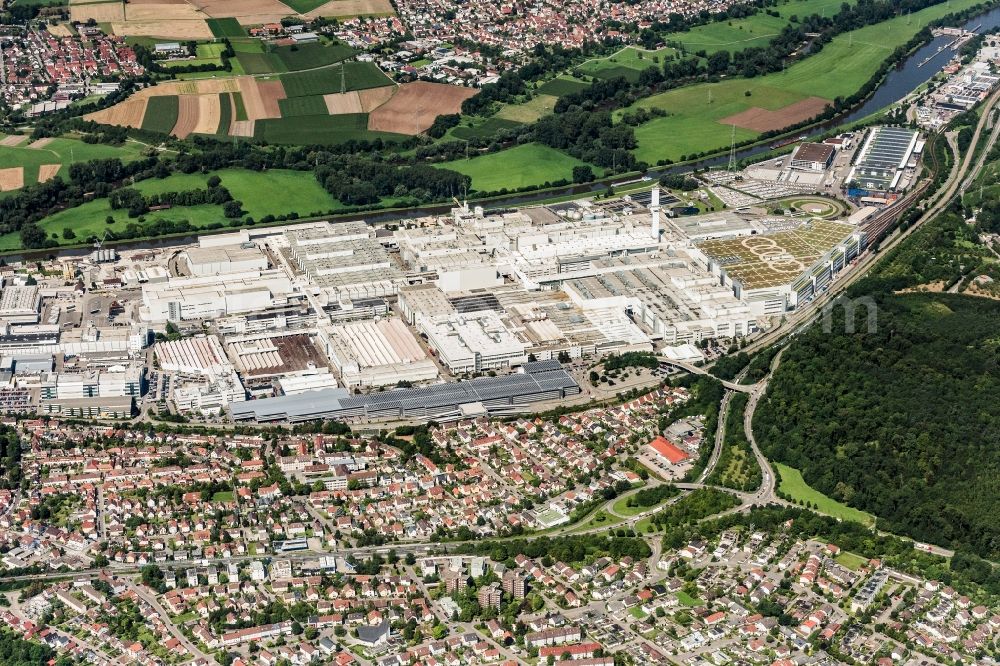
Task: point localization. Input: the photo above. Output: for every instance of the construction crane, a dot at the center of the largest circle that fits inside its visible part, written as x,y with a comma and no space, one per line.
99,243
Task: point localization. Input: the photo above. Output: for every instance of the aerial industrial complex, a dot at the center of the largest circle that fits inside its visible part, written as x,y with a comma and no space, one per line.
441,316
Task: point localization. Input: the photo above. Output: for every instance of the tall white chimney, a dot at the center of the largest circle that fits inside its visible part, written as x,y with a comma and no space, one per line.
654,214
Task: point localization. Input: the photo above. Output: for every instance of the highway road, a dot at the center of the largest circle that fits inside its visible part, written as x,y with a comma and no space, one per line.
699,370
720,436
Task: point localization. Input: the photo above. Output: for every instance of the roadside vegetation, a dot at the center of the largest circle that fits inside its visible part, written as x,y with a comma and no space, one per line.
737,467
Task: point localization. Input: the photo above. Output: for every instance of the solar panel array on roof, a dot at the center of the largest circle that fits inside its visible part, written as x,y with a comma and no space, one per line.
889,147
541,380
532,367
476,303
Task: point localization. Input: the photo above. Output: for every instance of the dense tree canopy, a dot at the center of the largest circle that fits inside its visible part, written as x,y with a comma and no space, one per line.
900,421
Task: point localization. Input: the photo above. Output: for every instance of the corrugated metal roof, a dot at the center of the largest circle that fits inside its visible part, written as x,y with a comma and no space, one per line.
539,378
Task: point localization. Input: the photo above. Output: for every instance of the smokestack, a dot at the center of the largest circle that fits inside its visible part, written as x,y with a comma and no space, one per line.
654,214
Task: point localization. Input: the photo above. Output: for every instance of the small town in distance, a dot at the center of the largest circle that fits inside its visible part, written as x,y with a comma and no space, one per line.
396,332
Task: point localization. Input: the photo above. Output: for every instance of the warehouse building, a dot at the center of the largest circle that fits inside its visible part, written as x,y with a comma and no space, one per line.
473,342
203,378
539,381
20,305
550,323
265,355
766,270
376,353
209,297
883,160
316,381
225,260
344,261
813,157
673,299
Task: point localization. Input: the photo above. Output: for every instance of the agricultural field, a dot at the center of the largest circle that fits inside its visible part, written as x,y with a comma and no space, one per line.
628,62
414,106
226,113
275,192
733,35
161,114
477,127
793,485
358,101
304,6
46,158
228,15
186,107
144,18
225,13
259,107
753,31
314,105
349,8
255,58
523,166
562,85
324,130
701,116
347,76
226,27
530,111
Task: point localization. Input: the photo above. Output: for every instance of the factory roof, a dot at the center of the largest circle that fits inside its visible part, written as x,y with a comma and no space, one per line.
231,253
814,152
538,378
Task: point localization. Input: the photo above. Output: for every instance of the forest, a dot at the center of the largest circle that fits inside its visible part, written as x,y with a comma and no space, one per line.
900,421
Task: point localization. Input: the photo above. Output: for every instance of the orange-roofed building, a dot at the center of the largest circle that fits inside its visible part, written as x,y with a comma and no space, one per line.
664,448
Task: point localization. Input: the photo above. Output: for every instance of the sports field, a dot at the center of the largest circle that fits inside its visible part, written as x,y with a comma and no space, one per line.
793,485
274,192
527,165
840,69
205,54
772,259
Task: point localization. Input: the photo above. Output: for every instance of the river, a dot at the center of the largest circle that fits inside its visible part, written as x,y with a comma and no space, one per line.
897,84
